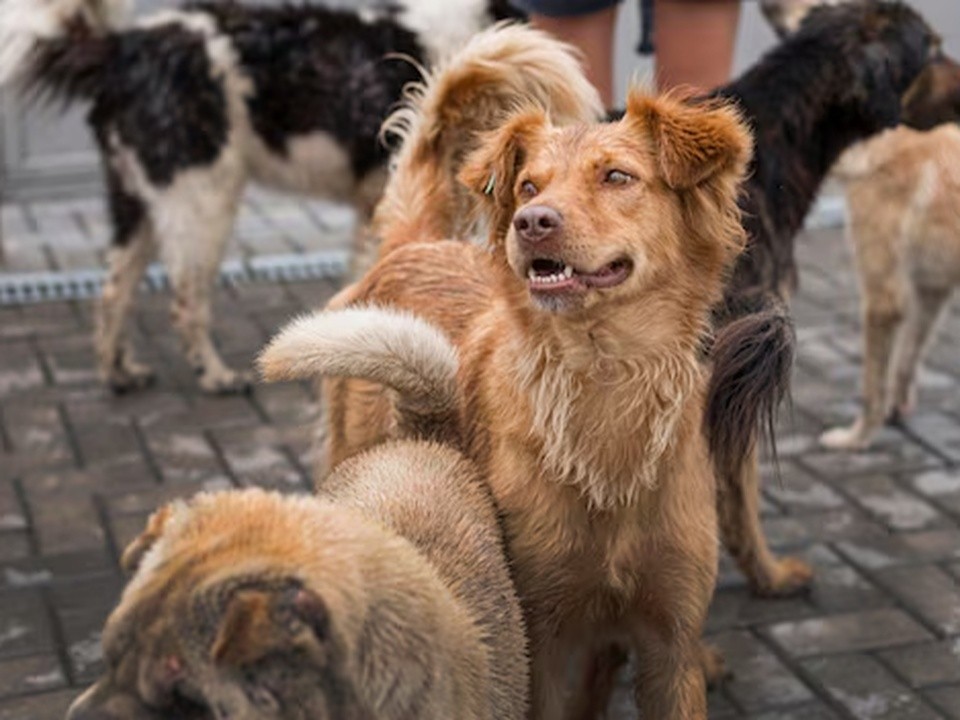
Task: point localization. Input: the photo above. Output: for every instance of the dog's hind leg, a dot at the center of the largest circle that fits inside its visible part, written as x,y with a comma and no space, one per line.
925,311
884,313
194,222
133,248
742,534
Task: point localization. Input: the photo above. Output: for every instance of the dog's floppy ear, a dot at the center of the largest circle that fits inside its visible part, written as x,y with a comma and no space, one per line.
257,622
691,142
490,171
133,555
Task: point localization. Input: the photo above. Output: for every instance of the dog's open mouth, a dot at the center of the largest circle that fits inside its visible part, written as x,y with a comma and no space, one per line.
545,275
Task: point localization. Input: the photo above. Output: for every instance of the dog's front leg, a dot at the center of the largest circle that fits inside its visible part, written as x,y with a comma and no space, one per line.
128,260
670,682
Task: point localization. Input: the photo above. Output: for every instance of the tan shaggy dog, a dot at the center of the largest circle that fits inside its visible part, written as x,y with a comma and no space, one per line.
388,596
581,384
903,207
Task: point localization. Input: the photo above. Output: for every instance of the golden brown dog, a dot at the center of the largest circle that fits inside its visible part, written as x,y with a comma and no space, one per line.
388,596
903,202
581,381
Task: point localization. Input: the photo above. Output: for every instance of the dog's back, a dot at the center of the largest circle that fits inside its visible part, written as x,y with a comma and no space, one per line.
432,496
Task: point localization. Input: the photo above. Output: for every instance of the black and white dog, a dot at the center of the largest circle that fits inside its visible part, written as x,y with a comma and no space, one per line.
189,105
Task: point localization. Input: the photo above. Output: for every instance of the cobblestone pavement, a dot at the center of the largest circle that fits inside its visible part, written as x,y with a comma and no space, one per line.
879,637
73,234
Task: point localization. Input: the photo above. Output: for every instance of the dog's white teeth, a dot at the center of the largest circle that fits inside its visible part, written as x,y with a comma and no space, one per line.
532,275
567,271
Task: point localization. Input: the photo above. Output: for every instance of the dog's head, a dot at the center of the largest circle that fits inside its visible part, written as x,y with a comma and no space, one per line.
204,631
590,215
900,72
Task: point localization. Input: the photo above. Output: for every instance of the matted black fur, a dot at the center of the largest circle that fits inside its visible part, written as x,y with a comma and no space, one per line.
752,359
313,69
840,79
316,68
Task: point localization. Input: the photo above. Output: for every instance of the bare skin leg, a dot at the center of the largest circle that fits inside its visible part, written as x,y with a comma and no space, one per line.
592,33
695,40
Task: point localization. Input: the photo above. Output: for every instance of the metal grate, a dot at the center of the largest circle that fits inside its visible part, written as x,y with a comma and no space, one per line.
28,288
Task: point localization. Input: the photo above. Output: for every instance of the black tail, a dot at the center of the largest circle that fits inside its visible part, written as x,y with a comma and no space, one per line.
752,359
68,69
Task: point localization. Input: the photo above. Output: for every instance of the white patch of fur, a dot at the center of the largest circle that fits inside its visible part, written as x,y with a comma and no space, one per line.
315,164
396,349
444,26
606,433
26,23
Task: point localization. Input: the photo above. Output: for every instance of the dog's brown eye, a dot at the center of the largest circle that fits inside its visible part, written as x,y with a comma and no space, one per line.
617,177
528,189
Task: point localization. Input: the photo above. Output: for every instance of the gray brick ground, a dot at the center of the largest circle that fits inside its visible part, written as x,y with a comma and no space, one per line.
878,636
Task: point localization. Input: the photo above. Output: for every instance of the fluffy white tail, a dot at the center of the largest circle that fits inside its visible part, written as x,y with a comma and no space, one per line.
25,25
500,70
392,348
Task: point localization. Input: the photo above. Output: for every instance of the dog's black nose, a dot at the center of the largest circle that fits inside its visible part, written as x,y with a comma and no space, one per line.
537,223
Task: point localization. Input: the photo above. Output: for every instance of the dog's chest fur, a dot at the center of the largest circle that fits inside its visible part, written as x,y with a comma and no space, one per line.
592,473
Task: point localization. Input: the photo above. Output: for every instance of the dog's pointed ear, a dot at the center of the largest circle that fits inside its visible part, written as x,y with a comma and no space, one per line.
133,555
692,142
259,622
490,171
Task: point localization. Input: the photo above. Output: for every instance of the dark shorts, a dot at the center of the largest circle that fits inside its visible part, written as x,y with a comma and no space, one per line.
563,8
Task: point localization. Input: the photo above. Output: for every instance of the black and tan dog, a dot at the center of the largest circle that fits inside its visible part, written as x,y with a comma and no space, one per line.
387,596
849,72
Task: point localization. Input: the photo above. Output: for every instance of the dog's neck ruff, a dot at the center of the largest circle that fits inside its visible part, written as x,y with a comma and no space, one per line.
609,428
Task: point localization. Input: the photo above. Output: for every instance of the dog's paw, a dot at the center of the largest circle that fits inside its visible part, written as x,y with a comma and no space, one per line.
229,382
845,438
129,377
790,576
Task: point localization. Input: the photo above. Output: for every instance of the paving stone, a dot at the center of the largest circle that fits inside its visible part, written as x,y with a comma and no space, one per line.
840,588
902,549
24,625
19,368
36,673
897,509
46,706
867,690
809,711
800,492
929,592
762,680
184,457
849,632
946,700
927,664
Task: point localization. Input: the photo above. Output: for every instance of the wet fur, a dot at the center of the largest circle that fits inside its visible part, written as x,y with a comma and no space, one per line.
388,595
841,77
190,105
587,425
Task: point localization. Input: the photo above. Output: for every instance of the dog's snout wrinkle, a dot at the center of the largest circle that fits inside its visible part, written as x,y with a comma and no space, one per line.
537,223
